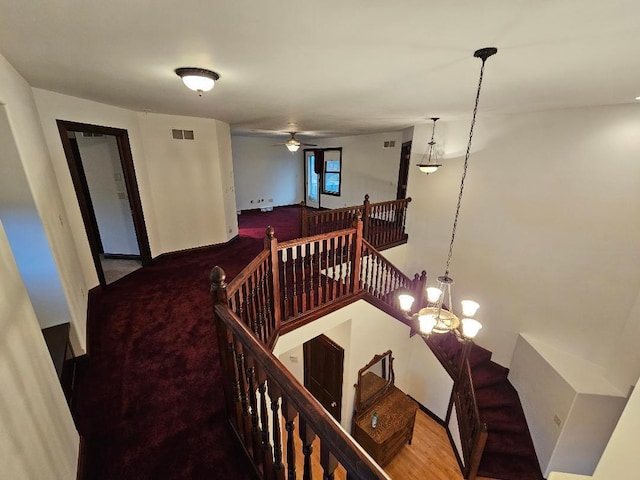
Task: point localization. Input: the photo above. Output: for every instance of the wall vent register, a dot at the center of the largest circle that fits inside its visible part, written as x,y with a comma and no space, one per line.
182,134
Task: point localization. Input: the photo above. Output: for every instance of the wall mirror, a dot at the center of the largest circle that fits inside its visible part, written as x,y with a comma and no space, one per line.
374,380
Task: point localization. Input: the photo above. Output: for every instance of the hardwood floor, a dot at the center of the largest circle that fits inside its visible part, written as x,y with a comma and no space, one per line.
429,456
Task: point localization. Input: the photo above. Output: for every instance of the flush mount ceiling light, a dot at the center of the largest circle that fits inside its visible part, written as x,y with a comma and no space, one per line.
430,165
438,316
197,79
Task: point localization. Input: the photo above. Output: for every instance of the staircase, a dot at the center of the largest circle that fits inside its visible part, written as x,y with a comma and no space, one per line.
509,453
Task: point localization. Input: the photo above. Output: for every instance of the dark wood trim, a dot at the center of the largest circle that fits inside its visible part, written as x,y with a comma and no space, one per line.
432,415
83,462
195,249
84,202
120,256
324,172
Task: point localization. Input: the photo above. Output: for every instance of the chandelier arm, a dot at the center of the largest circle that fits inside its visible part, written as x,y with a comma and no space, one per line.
464,170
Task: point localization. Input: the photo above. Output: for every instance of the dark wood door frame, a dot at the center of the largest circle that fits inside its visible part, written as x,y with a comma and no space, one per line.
82,191
403,171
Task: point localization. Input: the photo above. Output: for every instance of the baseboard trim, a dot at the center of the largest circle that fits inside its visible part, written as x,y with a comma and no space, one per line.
121,256
433,416
195,249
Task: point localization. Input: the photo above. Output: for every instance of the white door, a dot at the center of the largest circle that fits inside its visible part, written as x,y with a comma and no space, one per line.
312,179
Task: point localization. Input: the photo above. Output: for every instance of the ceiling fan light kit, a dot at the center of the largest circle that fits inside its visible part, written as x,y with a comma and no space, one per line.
198,79
293,144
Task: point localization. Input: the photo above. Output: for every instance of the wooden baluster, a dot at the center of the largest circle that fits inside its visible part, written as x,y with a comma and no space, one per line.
294,282
244,395
325,255
357,255
332,241
285,285
313,291
289,415
307,436
262,333
267,454
328,463
275,393
346,263
253,403
338,265
225,343
303,291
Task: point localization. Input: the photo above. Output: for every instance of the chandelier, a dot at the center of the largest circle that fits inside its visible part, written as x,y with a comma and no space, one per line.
430,166
438,315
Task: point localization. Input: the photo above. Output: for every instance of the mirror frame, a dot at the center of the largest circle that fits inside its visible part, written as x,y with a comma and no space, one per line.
360,404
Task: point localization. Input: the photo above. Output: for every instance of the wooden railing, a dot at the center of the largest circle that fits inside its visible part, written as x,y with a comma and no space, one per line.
286,285
473,432
383,222
262,394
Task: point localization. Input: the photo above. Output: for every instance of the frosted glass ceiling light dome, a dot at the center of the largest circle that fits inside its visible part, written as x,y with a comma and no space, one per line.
438,316
197,79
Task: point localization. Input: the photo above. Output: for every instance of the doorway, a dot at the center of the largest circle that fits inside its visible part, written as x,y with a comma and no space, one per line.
323,372
403,171
101,167
312,169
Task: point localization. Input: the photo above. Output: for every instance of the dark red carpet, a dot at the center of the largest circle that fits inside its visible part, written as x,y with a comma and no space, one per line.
150,403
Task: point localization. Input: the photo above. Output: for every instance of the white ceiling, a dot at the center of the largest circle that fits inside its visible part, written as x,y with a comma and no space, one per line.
333,67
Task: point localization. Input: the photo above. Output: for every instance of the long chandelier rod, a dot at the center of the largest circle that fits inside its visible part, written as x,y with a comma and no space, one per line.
483,54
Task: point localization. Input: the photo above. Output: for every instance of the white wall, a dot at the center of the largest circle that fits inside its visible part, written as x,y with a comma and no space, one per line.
103,171
553,383
548,239
187,184
364,331
263,171
367,168
182,187
38,437
17,97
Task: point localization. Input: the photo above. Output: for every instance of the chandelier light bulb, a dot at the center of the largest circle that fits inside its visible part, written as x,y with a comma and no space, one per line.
406,302
433,294
470,327
469,308
427,323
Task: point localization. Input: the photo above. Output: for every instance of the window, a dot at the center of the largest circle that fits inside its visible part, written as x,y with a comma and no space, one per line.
332,173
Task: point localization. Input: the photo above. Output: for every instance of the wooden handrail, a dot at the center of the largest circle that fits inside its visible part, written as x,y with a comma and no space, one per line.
258,378
473,432
383,222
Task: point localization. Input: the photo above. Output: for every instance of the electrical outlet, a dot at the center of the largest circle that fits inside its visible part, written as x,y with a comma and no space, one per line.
270,200
557,420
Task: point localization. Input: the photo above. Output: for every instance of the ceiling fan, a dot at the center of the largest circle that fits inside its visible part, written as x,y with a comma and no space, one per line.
293,144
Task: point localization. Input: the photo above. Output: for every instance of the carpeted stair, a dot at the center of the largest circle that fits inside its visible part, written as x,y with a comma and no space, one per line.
509,453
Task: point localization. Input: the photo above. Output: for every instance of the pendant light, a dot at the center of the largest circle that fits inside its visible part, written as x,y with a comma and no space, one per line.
438,316
430,166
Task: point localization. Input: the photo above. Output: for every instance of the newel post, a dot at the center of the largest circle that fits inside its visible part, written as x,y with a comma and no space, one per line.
357,254
219,296
366,216
304,227
271,244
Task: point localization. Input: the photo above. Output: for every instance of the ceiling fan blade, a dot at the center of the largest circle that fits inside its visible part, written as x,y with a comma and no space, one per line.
309,144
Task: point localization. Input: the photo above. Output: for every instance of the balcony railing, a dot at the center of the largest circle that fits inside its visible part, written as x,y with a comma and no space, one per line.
383,223
289,284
